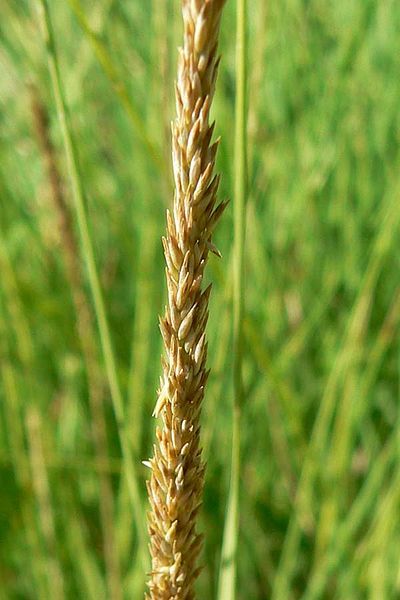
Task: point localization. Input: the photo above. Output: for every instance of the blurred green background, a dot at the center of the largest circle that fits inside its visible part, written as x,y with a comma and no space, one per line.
320,495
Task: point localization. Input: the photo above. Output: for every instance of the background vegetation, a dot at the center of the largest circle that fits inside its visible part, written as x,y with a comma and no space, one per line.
320,484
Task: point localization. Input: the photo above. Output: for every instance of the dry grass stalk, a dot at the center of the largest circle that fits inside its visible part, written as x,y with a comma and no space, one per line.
176,484
41,486
84,323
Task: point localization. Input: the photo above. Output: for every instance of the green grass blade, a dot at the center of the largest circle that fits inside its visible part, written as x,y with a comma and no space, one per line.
356,322
118,85
93,277
362,508
228,568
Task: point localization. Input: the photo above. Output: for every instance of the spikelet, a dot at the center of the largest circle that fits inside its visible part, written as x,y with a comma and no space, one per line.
176,484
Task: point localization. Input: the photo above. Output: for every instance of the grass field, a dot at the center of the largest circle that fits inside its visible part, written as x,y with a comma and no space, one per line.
320,445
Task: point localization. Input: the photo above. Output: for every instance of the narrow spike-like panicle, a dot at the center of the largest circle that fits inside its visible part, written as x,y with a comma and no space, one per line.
176,484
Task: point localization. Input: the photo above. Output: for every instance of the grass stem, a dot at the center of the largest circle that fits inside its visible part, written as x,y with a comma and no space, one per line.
228,569
93,277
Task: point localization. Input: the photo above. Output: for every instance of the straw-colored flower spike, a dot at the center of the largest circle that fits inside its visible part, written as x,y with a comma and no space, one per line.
176,484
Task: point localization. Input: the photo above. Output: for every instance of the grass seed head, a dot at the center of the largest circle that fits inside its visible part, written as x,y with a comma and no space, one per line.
176,484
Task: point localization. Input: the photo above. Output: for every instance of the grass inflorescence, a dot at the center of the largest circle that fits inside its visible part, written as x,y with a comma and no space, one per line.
314,354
